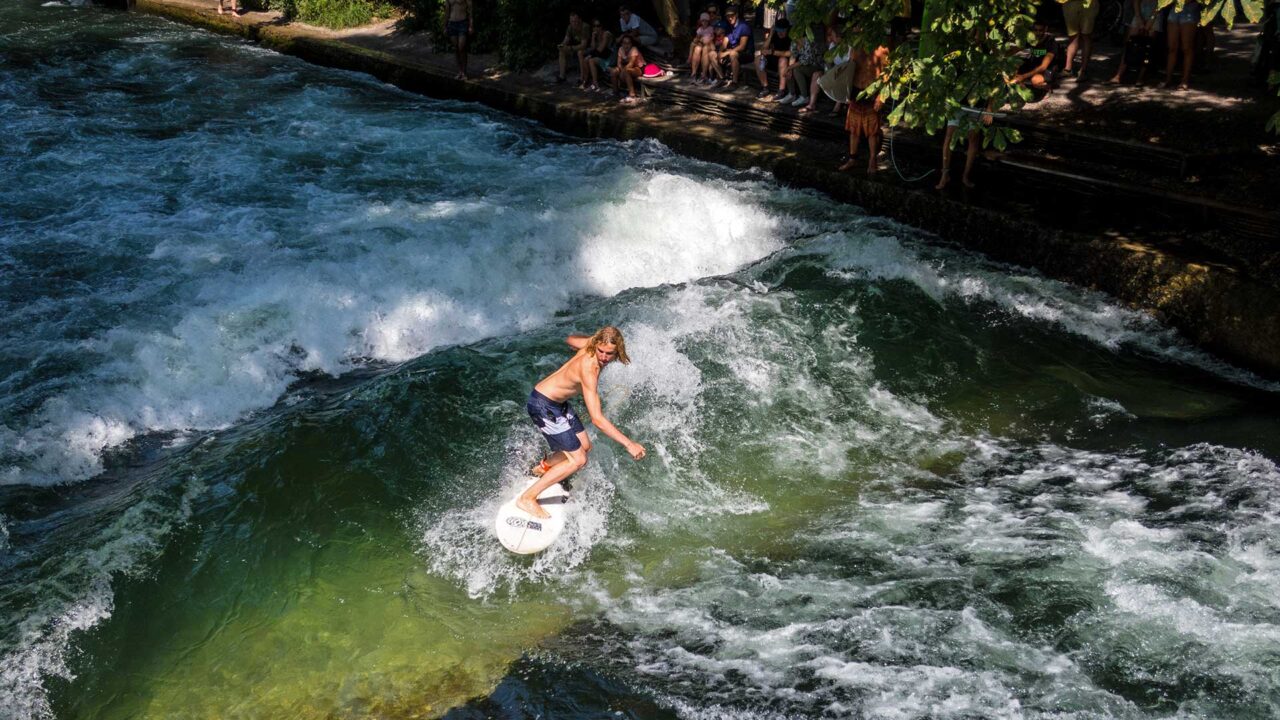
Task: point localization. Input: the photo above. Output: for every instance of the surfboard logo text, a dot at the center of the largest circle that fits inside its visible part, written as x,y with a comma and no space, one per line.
526,524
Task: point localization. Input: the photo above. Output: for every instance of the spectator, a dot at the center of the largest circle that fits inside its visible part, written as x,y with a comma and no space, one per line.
776,53
971,151
833,42
640,31
741,43
575,41
1079,18
458,25
863,119
1039,61
700,45
628,66
716,20
719,43
805,68
1181,39
599,55
1139,41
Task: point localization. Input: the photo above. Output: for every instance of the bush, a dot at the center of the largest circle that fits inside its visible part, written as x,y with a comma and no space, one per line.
335,14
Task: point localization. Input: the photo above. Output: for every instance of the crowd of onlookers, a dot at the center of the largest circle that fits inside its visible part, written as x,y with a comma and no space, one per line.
796,68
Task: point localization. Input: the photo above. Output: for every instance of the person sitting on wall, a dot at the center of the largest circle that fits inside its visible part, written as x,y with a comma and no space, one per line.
599,54
576,39
776,53
628,66
741,44
1039,65
700,48
805,67
711,58
641,32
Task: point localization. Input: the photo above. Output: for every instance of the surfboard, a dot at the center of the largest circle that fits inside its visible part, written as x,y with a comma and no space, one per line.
522,533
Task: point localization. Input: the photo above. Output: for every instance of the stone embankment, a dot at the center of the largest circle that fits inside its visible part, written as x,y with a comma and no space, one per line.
1226,302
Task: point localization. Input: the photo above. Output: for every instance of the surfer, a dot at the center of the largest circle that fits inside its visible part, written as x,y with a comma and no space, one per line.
549,407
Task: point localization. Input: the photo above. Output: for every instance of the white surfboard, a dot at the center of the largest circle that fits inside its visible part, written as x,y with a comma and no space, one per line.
522,533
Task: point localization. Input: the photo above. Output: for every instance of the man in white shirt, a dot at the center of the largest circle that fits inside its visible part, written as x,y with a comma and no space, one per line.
640,31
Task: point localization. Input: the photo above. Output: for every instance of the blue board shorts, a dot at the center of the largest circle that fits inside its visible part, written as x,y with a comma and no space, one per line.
457,28
556,421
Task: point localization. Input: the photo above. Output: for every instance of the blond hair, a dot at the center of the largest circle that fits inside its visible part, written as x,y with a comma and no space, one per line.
610,335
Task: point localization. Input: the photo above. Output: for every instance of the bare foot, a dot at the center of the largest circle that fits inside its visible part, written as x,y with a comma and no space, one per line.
846,165
942,181
967,183
873,167
221,11
531,506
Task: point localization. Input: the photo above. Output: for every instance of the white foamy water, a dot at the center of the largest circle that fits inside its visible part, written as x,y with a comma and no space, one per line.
304,237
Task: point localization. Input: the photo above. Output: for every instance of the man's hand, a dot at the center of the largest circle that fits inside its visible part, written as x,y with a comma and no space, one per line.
636,450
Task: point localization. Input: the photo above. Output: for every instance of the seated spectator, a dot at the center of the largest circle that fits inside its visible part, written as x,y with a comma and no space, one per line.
833,42
598,55
1181,39
805,68
717,20
1039,64
628,66
640,31
711,57
575,41
700,46
1139,41
741,44
776,55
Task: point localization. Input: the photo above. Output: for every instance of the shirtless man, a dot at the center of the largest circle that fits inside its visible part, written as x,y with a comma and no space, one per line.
549,408
458,24
863,119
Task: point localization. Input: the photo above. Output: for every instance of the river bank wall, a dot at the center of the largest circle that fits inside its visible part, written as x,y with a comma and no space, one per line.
1215,305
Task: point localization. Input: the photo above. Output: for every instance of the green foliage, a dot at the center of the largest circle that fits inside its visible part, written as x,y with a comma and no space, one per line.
335,14
340,13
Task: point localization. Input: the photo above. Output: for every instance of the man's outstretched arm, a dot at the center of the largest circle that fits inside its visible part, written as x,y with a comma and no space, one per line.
577,342
591,397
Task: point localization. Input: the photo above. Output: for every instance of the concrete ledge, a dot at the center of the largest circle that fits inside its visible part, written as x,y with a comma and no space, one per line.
1214,306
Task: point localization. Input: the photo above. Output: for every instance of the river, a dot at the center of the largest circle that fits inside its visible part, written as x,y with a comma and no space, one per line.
266,337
